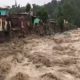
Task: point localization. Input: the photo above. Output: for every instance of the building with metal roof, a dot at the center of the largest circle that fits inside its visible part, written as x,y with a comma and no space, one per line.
4,11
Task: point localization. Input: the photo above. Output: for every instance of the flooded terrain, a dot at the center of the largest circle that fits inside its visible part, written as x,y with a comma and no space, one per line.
55,57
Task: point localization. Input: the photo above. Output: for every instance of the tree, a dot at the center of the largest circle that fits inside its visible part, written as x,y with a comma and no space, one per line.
28,7
71,11
68,10
51,8
42,14
60,18
15,10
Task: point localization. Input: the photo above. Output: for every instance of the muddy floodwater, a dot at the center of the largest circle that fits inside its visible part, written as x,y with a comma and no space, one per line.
55,57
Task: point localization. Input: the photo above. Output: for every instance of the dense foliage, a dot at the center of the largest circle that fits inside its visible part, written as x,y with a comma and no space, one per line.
28,7
42,14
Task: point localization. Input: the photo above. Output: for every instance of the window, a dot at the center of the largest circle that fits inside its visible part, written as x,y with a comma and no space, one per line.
0,13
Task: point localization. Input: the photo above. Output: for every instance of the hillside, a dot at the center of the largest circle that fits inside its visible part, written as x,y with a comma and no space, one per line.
69,10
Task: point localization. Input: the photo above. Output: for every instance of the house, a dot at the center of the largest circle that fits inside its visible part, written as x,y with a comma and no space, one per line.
4,11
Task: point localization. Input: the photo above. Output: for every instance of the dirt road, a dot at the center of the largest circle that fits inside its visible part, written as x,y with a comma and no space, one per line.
41,58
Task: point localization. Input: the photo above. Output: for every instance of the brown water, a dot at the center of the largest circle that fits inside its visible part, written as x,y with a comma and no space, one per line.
41,58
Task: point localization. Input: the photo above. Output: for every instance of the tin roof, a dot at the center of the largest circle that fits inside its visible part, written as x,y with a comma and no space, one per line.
4,8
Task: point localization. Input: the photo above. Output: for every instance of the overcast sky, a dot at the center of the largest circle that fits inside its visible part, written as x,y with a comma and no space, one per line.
22,2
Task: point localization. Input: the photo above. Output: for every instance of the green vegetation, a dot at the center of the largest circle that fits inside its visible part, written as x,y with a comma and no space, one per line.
28,7
15,10
60,19
42,14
